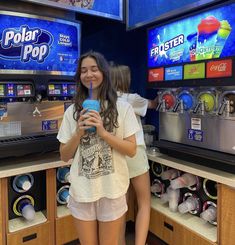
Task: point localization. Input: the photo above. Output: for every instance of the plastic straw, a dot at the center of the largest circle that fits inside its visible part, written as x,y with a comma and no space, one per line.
90,91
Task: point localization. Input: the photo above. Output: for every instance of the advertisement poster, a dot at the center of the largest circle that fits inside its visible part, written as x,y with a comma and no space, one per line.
155,10
112,9
38,45
205,36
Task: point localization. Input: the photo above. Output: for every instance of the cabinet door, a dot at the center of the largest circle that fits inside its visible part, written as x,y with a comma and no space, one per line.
35,235
226,215
156,224
183,236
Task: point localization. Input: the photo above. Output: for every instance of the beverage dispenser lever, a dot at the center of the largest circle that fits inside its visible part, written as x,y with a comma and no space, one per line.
179,104
224,107
176,106
200,105
162,105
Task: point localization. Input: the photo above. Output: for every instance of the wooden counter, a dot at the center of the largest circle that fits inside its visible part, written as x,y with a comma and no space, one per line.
20,165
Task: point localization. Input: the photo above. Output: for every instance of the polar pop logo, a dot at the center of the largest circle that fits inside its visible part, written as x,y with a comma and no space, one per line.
30,41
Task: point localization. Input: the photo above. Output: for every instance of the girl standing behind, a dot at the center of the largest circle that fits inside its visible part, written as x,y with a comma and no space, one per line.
138,165
99,173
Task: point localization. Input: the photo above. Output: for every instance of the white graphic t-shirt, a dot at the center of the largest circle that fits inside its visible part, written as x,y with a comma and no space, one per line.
97,170
140,106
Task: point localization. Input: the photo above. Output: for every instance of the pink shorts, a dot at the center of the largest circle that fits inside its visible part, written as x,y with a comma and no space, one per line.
105,209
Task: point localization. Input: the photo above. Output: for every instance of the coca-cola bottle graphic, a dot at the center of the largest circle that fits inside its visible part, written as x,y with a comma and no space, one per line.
209,212
191,204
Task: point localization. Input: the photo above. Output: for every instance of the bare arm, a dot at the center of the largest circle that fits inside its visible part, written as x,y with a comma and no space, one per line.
68,150
152,104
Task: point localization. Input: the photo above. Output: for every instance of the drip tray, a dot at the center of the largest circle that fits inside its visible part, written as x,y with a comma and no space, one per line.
20,146
201,156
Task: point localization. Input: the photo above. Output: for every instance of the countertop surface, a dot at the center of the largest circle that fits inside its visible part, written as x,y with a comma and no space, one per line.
31,163
196,169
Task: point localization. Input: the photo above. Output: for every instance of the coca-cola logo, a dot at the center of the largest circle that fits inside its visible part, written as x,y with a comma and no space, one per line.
153,74
220,67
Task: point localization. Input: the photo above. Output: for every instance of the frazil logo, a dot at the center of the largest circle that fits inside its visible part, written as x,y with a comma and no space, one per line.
26,43
221,67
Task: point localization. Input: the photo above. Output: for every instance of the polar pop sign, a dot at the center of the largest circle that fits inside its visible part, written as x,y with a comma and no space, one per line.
31,44
27,40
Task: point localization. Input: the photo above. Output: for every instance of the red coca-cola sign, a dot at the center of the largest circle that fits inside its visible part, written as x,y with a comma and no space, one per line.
220,68
155,75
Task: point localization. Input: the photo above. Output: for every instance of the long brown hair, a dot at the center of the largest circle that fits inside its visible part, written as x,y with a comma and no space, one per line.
121,77
107,95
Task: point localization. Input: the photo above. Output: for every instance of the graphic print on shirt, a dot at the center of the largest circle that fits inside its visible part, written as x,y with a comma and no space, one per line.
95,157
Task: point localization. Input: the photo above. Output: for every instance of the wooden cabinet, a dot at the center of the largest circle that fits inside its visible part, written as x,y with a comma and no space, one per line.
176,229
173,233
226,215
65,230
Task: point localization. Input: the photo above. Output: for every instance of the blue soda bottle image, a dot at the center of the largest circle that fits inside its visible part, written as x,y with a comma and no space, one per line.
91,104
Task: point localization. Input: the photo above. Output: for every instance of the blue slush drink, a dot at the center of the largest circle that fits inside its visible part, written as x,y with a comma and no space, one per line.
91,105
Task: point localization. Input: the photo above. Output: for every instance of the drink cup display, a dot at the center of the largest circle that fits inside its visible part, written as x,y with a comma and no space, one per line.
174,197
170,174
23,182
62,195
28,212
186,180
207,34
90,104
63,174
209,214
24,206
222,37
192,39
188,205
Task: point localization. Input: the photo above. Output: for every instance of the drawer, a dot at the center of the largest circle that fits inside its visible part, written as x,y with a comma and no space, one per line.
35,235
65,230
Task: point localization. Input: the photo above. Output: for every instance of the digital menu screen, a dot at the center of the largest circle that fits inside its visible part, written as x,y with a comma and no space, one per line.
205,36
64,89
112,9
38,45
10,90
72,89
55,89
24,90
155,10
2,92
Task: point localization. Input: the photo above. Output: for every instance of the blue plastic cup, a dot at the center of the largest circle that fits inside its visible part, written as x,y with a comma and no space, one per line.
91,105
